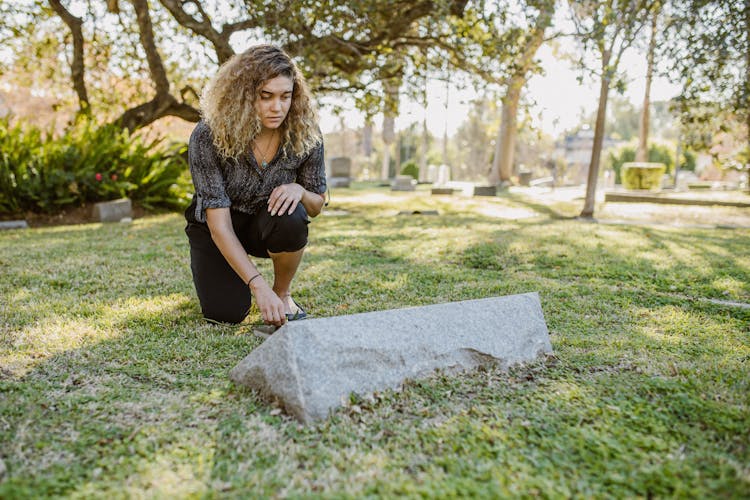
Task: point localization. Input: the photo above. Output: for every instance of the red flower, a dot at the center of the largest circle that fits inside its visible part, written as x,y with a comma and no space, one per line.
114,177
98,176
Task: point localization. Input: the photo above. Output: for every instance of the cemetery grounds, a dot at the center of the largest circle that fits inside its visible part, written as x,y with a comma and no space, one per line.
111,384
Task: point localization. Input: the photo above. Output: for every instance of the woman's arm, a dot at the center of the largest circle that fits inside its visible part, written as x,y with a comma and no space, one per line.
286,197
219,223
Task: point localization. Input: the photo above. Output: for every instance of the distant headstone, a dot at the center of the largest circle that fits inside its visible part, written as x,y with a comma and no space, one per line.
341,172
14,224
403,183
419,212
432,173
443,176
441,190
113,211
524,177
485,190
311,366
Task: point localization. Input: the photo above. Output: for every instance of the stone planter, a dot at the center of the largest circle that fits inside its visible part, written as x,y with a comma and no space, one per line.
642,175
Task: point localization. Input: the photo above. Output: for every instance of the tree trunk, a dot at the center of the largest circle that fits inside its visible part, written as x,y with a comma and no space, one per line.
596,150
385,167
423,153
505,145
642,152
146,35
367,138
76,66
397,154
389,118
388,136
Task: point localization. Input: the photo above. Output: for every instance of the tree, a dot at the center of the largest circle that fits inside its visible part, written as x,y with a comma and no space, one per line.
641,154
605,29
340,46
710,49
539,18
77,64
473,136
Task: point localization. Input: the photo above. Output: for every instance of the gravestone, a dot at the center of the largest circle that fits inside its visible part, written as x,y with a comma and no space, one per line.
441,190
403,183
485,190
444,175
113,211
524,177
419,212
341,172
311,366
432,173
14,224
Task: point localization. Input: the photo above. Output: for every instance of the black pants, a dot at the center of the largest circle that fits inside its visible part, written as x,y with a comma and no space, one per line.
223,296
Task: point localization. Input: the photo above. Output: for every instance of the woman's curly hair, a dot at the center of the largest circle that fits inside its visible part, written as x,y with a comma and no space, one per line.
228,103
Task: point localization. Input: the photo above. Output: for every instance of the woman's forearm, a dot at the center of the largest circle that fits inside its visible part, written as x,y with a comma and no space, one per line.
222,234
313,202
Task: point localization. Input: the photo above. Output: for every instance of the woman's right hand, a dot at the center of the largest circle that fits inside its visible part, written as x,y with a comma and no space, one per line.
270,305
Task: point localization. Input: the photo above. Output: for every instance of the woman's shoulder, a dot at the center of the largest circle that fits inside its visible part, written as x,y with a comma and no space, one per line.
201,134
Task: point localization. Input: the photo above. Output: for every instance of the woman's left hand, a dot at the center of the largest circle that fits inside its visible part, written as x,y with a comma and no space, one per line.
284,198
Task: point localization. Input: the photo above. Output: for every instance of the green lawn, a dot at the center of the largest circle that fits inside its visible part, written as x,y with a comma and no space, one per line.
111,384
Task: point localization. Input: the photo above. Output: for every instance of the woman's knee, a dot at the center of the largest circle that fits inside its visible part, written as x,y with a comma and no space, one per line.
290,231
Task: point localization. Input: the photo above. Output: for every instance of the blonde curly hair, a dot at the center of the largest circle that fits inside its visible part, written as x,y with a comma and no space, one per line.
228,103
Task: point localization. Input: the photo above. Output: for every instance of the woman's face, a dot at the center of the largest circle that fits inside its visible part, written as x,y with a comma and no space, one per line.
274,100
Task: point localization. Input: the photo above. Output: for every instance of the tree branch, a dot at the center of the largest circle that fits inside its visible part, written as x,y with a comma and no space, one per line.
204,27
146,33
77,69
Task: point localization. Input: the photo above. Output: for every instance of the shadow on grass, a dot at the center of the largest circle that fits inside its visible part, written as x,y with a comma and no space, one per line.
536,206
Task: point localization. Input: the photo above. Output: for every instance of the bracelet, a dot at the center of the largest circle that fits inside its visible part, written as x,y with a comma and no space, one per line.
251,279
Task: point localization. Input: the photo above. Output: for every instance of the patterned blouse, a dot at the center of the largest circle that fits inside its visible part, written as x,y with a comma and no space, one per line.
243,185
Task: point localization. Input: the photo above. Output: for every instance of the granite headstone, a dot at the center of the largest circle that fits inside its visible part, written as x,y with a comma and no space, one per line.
310,366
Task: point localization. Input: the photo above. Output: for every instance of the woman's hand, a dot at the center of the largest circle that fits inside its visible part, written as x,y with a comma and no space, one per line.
285,198
270,305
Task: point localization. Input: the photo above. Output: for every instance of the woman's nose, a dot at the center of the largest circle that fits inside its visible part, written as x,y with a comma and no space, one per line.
276,105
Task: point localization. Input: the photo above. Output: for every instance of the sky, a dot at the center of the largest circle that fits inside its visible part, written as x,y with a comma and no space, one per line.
559,98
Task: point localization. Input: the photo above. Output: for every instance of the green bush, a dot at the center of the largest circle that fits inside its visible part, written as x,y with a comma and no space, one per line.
687,161
657,153
410,168
40,172
642,175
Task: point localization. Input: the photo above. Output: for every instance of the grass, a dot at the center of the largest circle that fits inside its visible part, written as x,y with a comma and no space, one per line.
112,386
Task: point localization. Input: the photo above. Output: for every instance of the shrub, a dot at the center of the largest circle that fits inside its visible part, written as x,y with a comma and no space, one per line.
410,168
642,175
86,163
687,161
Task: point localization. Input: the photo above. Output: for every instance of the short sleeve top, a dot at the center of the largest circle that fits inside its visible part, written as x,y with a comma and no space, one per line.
241,184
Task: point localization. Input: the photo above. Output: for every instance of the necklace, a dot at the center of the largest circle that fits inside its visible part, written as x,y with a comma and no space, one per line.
264,162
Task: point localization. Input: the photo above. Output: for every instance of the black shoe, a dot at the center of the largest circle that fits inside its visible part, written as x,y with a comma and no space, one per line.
300,314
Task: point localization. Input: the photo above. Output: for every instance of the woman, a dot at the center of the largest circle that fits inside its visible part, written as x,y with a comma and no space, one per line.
257,164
